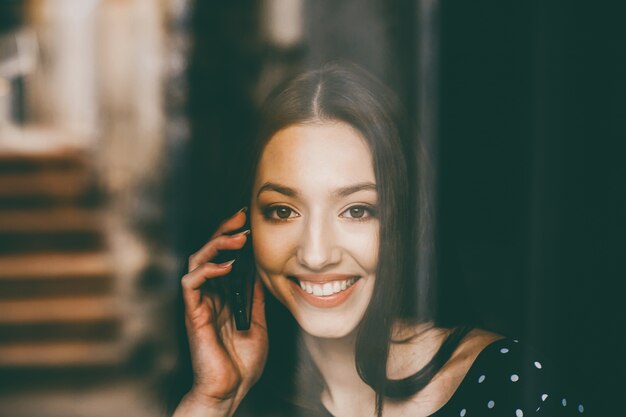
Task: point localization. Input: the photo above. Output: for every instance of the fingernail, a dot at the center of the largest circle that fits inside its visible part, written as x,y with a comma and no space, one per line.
245,232
244,209
226,264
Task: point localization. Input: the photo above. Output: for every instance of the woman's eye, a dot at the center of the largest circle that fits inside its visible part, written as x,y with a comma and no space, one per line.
283,212
279,213
358,212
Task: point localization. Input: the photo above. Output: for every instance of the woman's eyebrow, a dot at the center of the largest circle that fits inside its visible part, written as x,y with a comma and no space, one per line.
351,189
340,192
282,189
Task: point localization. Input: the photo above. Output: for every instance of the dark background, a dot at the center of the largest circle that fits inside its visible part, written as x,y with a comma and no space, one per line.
530,120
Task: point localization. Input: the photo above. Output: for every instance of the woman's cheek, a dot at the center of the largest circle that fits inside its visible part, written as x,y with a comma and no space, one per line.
271,248
362,243
262,251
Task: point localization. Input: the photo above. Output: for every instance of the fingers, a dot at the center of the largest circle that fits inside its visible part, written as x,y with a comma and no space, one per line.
233,223
210,250
192,282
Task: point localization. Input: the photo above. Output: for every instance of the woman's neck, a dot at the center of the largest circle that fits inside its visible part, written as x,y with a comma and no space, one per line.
345,393
335,360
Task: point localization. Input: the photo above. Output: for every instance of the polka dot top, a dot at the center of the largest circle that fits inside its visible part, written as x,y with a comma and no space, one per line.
504,381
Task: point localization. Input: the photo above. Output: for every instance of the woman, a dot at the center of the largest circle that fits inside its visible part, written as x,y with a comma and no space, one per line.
330,226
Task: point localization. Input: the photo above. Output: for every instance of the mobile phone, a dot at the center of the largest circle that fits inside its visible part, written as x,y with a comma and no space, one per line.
238,285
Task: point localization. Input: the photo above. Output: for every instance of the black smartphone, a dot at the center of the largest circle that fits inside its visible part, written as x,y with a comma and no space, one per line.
238,285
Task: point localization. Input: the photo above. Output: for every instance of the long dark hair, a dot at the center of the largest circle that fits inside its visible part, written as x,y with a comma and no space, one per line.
346,93
341,92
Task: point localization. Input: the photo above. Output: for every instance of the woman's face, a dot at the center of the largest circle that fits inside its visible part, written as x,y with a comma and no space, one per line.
315,227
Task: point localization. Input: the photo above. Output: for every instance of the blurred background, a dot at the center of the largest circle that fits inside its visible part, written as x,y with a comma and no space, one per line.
122,129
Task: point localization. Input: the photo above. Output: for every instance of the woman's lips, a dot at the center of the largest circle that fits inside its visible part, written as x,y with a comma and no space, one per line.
324,290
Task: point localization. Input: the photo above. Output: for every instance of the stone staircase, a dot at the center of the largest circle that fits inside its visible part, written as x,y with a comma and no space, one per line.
60,305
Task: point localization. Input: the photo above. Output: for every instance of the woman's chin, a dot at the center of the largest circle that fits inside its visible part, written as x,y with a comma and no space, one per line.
327,330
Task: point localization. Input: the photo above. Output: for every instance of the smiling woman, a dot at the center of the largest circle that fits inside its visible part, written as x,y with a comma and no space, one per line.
316,195
331,232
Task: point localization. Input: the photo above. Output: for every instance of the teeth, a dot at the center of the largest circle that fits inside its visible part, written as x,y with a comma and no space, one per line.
328,288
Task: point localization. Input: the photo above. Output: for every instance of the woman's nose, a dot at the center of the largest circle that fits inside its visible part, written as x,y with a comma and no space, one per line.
318,248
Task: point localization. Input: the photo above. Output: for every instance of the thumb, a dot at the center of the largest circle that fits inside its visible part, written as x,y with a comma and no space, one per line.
258,304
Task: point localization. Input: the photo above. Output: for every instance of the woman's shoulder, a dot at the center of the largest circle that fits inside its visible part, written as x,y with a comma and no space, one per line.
509,378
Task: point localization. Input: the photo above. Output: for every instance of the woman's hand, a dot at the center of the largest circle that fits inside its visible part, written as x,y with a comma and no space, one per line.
226,362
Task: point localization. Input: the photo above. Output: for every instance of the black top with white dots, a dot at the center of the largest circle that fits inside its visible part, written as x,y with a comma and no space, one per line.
506,379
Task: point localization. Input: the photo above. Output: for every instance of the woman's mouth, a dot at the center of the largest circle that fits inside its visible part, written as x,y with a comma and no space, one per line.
328,288
324,290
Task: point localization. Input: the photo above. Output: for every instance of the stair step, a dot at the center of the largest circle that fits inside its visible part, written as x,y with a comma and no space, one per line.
56,219
55,266
41,148
14,162
49,275
62,184
58,310
60,287
73,241
60,229
63,354
55,274
102,330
